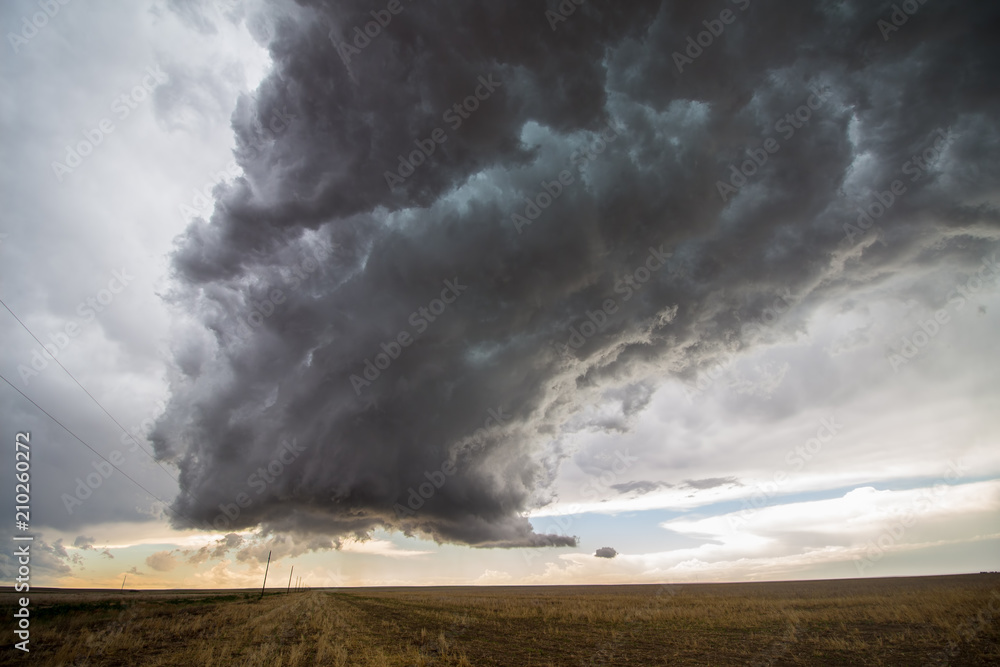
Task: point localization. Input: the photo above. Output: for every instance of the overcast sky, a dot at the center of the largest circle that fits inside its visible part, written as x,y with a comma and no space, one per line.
520,292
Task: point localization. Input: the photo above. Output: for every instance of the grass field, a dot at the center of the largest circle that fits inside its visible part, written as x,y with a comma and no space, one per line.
901,621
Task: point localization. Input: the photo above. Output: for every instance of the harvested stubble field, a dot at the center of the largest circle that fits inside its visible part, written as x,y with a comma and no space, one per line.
901,621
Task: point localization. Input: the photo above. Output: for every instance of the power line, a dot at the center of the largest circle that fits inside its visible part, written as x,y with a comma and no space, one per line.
152,458
84,443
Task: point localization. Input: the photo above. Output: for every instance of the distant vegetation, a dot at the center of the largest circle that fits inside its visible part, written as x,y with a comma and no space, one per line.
904,621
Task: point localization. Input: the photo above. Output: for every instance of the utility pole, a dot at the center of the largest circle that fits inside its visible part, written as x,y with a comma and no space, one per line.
289,581
265,575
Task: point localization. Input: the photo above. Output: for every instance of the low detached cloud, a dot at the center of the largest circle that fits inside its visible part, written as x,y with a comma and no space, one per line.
565,240
605,552
83,542
711,483
162,561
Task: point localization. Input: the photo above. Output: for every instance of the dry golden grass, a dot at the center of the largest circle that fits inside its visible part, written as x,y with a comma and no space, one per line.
905,621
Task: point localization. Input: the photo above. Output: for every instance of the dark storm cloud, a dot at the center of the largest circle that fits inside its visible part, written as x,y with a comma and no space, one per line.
311,266
83,542
639,487
711,482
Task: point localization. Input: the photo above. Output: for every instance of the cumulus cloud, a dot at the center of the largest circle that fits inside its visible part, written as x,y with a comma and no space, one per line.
222,546
605,552
311,269
46,560
83,542
864,526
162,561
